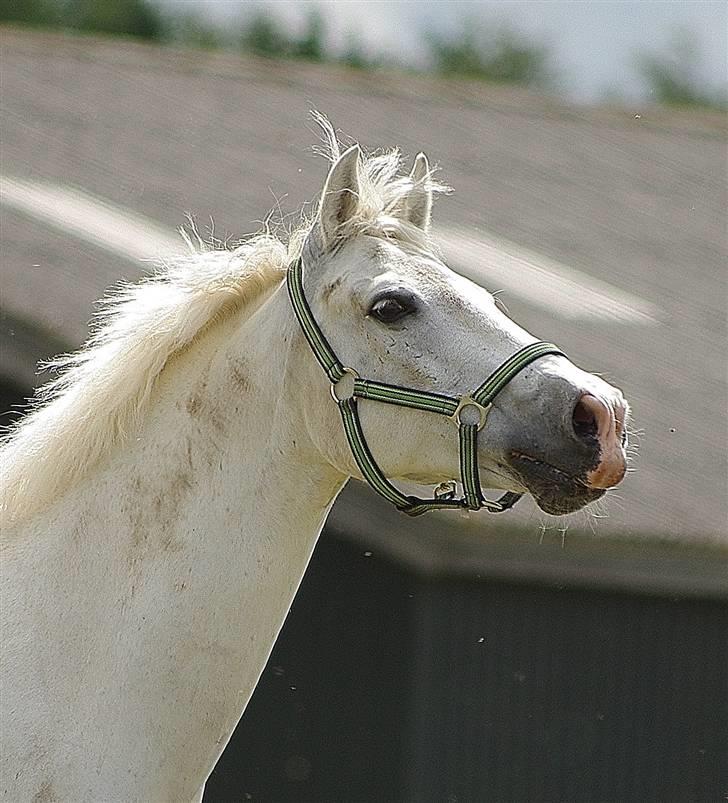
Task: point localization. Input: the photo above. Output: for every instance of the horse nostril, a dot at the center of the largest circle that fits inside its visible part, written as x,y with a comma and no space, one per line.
595,421
584,420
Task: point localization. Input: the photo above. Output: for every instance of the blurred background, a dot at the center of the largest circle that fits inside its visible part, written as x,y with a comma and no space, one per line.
514,658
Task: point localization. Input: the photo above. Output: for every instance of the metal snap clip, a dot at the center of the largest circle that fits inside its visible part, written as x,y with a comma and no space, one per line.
446,490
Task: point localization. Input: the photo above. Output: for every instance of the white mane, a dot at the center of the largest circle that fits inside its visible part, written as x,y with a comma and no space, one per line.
103,388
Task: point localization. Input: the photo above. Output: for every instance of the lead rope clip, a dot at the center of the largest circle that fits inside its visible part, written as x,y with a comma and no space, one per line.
446,490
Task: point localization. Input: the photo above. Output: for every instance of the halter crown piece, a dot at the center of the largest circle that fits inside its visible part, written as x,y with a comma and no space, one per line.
469,413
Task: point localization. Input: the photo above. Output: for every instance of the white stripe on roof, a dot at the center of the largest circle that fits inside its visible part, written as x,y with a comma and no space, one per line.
492,261
540,281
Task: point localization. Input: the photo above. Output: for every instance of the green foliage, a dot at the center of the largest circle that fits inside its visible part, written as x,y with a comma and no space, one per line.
672,77
312,46
190,30
503,57
127,17
30,12
263,36
354,55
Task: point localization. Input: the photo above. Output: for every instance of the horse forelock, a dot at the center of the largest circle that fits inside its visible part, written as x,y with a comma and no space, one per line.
102,390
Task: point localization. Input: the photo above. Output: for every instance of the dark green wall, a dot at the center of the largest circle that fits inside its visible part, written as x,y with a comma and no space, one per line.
455,691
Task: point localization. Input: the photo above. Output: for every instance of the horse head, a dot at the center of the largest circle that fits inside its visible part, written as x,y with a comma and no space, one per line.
390,310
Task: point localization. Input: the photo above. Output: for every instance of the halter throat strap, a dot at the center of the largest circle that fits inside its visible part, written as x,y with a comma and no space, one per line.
469,413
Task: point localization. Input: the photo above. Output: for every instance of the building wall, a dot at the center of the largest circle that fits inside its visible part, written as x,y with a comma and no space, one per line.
389,686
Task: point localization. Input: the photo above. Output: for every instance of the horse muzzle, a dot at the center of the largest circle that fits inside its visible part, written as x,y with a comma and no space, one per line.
568,464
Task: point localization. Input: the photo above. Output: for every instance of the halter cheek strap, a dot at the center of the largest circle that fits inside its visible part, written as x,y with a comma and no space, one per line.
469,413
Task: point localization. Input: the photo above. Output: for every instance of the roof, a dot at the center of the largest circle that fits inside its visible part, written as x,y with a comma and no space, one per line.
626,203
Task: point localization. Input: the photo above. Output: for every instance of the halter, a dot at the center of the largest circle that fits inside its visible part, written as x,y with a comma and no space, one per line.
469,413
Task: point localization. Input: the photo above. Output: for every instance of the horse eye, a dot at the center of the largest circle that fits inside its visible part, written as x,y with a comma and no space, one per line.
391,309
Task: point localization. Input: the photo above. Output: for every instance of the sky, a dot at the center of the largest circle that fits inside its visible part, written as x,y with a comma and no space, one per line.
595,43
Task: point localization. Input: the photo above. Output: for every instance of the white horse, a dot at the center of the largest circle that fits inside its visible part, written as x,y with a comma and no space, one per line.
162,501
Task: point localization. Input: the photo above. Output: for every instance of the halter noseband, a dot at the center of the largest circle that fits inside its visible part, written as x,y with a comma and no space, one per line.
469,413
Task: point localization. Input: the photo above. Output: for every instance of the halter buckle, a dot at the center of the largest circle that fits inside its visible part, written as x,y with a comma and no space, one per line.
465,403
348,372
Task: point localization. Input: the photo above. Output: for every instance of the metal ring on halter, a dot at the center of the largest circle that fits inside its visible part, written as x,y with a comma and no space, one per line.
466,402
346,372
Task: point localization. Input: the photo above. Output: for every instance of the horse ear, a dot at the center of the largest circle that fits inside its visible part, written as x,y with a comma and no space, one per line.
340,196
418,205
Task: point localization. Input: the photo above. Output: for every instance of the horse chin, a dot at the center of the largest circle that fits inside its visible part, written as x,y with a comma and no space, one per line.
555,491
560,505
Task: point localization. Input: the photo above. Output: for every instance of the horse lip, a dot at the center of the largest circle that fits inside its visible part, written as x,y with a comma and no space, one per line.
554,490
516,455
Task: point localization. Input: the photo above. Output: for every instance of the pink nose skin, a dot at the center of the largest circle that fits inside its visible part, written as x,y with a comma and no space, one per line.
609,422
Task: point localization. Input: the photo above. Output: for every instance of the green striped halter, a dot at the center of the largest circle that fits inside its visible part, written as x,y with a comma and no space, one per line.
469,413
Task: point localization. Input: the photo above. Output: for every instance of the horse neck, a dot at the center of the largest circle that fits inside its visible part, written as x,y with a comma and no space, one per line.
225,435
241,423
192,539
